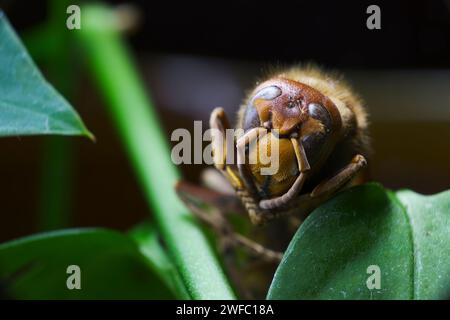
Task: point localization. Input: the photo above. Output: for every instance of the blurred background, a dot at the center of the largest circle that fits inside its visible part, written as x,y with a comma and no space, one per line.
194,57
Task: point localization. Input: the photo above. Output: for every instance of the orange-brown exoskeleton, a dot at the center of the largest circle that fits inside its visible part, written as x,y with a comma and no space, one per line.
321,131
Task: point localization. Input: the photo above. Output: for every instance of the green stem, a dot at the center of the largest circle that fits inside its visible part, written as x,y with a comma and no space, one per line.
55,186
139,128
147,238
56,162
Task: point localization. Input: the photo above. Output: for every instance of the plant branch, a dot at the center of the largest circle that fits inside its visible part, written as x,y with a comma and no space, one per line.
139,128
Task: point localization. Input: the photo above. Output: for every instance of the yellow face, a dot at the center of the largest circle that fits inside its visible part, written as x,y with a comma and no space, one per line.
297,117
280,182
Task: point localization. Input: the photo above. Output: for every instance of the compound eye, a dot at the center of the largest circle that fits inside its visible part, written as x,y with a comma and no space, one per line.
313,143
251,116
319,112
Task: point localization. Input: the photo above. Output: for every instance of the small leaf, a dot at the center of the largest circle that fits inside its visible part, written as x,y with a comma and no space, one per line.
331,255
112,267
29,105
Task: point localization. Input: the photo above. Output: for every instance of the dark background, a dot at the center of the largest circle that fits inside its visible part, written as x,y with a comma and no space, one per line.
195,56
414,34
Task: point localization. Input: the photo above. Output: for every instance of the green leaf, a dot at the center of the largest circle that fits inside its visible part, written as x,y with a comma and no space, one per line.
29,105
329,256
430,221
112,267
